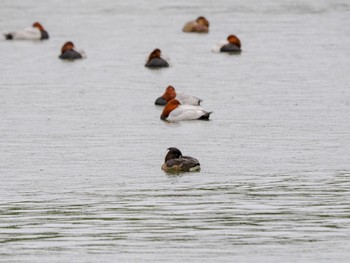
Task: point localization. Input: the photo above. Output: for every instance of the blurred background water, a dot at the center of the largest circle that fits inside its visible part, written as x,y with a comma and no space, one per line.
82,143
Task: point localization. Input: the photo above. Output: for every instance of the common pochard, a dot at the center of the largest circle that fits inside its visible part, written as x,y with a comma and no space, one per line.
231,45
155,60
68,51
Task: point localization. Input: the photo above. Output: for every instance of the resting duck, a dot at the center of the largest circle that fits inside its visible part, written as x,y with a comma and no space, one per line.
231,45
68,51
201,25
184,99
37,31
174,111
155,60
176,163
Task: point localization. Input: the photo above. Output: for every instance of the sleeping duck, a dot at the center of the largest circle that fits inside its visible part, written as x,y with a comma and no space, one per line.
231,45
184,99
176,163
36,32
174,112
200,25
155,60
68,51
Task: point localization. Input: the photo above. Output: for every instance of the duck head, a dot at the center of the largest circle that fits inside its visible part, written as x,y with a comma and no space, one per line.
167,96
202,21
173,153
155,54
38,26
169,93
171,105
67,46
232,39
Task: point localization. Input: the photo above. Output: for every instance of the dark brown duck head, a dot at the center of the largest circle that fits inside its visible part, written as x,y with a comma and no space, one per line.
173,153
67,46
202,21
154,54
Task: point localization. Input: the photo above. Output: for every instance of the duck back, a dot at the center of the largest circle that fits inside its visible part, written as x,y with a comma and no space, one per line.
70,54
157,63
230,48
183,164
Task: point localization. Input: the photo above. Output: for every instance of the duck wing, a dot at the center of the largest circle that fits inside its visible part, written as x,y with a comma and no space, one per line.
183,164
28,33
187,112
185,99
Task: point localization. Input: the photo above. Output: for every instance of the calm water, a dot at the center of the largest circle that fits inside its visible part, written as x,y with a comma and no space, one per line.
82,143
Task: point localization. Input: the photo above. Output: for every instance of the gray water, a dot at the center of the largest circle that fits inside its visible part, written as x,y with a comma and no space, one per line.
82,143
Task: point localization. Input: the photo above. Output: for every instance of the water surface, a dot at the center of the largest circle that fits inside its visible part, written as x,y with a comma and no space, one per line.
82,143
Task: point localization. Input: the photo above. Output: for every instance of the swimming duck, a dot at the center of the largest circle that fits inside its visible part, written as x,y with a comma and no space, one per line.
231,45
155,60
37,31
200,25
68,51
176,163
174,112
184,99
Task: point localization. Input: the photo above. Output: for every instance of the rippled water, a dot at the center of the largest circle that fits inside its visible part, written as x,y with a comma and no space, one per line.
82,143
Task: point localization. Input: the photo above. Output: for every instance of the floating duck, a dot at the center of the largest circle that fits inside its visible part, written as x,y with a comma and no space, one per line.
36,32
155,60
68,51
200,25
174,112
184,99
176,163
231,45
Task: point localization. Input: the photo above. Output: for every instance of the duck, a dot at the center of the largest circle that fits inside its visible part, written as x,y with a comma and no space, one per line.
36,32
170,93
174,112
176,163
200,25
68,51
231,45
155,60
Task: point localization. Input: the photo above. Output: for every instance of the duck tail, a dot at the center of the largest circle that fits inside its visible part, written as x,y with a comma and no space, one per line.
8,36
205,116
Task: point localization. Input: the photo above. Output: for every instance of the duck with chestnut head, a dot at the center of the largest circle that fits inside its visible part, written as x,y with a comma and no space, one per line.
36,32
174,112
69,52
200,25
184,99
155,60
231,45
175,162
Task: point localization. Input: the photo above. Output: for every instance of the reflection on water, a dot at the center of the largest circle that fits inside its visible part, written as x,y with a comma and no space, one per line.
82,143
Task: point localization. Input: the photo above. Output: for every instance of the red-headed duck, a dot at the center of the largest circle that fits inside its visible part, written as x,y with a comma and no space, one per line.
174,112
184,99
231,45
36,32
200,25
176,163
68,51
155,60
